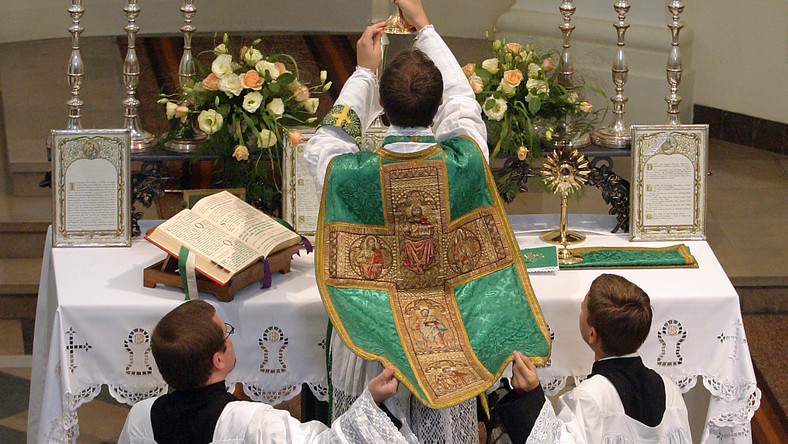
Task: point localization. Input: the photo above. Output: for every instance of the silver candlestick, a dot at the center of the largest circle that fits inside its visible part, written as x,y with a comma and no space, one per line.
141,140
186,74
76,70
567,9
674,64
617,134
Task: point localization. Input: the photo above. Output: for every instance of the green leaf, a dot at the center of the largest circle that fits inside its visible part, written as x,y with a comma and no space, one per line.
534,105
483,73
285,78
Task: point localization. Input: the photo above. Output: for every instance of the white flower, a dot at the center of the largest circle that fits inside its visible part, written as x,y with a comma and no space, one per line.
209,121
230,84
539,85
175,110
252,56
221,49
222,65
508,90
572,97
323,76
310,104
267,138
533,70
264,65
276,106
498,109
252,101
491,65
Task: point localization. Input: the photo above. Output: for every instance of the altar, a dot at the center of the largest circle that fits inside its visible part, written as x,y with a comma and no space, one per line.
94,319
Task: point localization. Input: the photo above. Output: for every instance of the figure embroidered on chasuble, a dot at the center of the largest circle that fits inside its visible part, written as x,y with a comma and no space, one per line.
418,268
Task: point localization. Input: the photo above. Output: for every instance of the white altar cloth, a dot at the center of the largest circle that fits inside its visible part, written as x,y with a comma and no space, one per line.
94,319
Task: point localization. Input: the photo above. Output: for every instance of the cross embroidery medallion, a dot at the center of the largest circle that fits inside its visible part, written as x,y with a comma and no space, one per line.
419,257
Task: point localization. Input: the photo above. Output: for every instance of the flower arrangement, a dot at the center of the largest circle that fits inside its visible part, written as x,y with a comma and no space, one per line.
524,103
246,103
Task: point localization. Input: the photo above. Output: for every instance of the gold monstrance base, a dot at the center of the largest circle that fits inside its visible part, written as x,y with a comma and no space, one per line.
566,257
554,237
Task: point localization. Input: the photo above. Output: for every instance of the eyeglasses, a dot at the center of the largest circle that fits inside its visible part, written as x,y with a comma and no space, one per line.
229,330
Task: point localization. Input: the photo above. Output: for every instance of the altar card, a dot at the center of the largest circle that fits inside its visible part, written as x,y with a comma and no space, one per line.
669,164
300,198
90,187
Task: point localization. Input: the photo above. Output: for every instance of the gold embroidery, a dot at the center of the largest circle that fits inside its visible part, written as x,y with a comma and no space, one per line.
441,255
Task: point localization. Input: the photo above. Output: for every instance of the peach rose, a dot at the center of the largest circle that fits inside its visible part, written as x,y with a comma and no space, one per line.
251,80
301,93
294,137
522,153
548,64
512,77
211,82
241,153
477,84
586,107
514,48
469,69
280,67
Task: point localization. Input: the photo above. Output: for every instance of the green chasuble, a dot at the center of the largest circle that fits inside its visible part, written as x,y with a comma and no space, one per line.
418,268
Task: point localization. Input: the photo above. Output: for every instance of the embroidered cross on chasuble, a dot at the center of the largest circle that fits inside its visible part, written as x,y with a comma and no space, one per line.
418,268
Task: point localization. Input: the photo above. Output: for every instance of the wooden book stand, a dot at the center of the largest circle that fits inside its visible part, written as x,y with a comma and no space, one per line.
166,272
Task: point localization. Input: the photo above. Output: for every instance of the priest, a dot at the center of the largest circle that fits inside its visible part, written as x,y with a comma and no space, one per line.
415,260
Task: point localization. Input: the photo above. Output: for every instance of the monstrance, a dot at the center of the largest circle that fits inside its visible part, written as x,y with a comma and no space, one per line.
564,172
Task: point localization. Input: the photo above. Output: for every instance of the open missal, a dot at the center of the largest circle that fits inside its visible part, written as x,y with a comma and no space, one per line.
225,233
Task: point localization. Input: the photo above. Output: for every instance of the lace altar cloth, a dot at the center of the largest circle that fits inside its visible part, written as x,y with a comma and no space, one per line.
94,319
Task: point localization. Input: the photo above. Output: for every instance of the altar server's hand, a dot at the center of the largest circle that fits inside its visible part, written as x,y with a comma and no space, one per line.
384,385
413,13
524,377
368,52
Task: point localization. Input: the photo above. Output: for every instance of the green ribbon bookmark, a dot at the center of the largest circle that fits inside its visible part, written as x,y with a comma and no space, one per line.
186,270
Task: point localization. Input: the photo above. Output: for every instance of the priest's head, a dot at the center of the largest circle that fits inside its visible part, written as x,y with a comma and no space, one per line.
192,346
411,89
615,316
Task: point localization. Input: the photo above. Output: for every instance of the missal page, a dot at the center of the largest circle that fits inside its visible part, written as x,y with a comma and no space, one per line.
260,231
202,237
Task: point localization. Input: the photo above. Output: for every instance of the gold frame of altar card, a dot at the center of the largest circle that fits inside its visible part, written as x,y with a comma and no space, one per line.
300,200
91,188
668,193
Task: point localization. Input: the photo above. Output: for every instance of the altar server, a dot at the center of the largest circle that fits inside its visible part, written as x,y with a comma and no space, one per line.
194,354
415,259
622,401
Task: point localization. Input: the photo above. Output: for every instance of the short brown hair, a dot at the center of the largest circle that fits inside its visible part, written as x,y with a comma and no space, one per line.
620,311
411,88
183,344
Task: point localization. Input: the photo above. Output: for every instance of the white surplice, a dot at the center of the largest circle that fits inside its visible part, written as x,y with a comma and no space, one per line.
458,115
245,422
593,413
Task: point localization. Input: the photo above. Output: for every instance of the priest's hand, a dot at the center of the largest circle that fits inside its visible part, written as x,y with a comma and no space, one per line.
384,385
413,13
524,377
368,52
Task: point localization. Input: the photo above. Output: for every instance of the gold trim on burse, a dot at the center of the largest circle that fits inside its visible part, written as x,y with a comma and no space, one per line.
422,361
